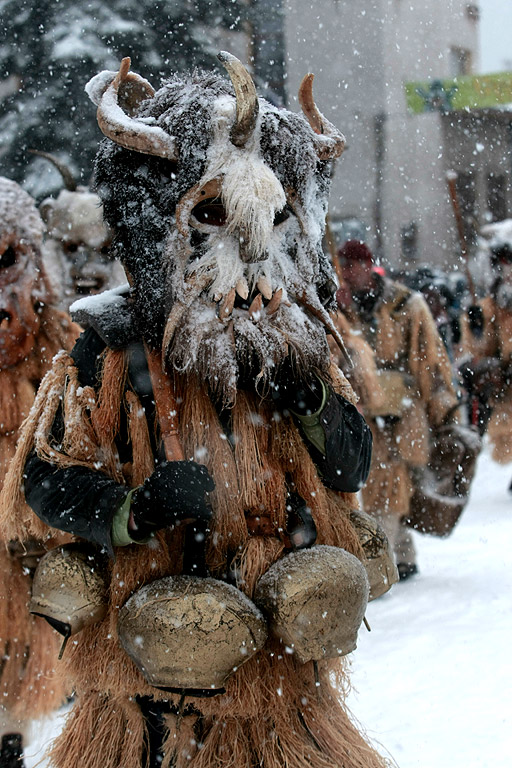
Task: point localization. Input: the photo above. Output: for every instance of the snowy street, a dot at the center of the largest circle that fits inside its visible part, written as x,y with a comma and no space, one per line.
432,681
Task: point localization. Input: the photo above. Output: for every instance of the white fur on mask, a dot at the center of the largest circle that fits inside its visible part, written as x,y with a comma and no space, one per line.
251,193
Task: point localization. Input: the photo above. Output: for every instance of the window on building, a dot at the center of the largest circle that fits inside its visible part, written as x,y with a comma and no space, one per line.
409,242
497,196
460,61
466,194
473,12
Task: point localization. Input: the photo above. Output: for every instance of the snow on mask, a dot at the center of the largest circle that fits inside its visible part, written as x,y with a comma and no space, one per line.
218,202
24,287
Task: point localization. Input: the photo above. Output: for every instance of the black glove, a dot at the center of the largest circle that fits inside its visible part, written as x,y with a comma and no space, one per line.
483,377
290,391
175,491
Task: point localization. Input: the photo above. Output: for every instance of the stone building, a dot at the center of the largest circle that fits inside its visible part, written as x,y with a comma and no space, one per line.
398,77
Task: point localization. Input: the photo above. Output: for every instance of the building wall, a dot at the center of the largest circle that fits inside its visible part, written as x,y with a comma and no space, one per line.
419,40
393,171
332,39
480,143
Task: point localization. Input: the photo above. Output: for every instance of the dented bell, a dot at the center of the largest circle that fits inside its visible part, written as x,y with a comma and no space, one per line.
315,600
380,565
190,634
69,588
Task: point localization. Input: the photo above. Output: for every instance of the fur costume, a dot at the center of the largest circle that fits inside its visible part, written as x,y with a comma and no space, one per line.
31,333
401,331
495,344
218,209
363,374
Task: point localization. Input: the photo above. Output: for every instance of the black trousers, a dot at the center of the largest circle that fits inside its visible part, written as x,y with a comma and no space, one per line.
154,714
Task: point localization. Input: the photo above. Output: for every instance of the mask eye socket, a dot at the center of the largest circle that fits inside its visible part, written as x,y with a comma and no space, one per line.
8,257
86,286
282,215
210,212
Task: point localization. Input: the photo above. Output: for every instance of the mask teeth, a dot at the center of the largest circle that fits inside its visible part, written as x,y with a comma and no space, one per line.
226,308
172,323
275,302
242,288
256,308
264,287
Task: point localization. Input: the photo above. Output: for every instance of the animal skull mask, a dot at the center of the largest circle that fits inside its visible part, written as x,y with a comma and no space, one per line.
24,288
218,202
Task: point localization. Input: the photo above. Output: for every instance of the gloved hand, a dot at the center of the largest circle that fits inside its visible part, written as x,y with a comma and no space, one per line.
175,491
301,395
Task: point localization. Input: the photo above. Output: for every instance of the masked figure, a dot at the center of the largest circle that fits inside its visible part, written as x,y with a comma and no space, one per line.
31,332
485,357
76,245
199,440
423,460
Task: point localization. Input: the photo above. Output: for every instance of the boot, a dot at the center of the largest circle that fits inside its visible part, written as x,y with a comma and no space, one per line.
406,570
11,751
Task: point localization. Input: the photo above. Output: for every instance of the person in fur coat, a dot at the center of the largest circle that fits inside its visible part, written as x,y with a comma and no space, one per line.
485,356
199,438
32,331
415,393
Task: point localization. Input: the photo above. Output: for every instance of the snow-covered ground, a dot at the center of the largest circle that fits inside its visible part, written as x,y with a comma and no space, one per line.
433,680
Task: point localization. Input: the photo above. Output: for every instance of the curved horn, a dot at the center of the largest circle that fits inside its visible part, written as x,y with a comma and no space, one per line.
330,142
116,105
67,176
247,106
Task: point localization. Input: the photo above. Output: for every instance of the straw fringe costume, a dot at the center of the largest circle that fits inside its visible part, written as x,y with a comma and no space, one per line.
272,710
495,343
218,201
32,334
30,647
405,340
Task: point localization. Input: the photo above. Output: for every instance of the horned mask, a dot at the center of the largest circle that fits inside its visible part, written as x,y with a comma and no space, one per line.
218,200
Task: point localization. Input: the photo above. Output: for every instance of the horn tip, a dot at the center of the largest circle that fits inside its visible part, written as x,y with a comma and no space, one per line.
225,57
124,67
307,79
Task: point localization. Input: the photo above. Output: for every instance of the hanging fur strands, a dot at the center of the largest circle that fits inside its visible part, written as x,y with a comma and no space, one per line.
31,333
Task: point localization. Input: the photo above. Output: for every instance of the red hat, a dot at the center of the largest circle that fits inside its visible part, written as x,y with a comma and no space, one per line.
355,250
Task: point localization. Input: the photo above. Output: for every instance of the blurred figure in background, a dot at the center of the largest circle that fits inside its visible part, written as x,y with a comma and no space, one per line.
485,356
439,298
417,397
77,241
31,333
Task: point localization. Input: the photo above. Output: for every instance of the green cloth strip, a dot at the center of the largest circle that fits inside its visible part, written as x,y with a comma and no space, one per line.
311,424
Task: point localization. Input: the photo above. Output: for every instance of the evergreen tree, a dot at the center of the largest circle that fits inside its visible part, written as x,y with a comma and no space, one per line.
50,48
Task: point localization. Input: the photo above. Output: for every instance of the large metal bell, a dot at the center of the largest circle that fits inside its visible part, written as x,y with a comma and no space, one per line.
190,634
380,565
315,600
69,588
